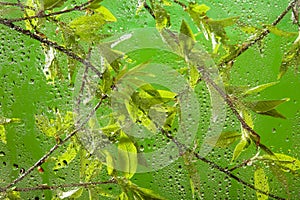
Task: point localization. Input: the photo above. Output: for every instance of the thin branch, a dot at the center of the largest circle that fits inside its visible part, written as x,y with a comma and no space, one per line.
44,15
180,3
16,5
265,32
55,147
47,187
52,44
183,148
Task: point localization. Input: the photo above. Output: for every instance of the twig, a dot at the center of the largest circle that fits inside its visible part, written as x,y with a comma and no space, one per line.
52,44
43,15
56,146
180,3
54,187
183,148
265,32
16,5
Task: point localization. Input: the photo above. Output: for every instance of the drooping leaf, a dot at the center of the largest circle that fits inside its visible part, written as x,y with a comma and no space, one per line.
290,58
194,76
186,38
273,113
51,4
71,194
127,153
265,106
261,183
259,88
285,162
64,159
279,32
225,139
242,145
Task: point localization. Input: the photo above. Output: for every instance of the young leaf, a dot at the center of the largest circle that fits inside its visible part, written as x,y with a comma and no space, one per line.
285,162
69,155
258,88
51,4
225,139
273,113
89,166
243,144
198,10
261,183
162,18
264,106
2,134
290,58
4,121
186,38
95,4
127,156
279,32
72,194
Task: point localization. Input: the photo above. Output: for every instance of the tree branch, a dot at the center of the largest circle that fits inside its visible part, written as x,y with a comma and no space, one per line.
54,187
44,15
52,44
56,146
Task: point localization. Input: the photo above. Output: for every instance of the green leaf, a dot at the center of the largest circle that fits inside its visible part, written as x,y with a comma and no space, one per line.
186,38
71,194
194,76
4,121
279,32
162,18
89,166
273,113
259,88
225,139
87,26
261,183
290,58
197,9
2,134
242,145
264,106
64,159
51,4
95,4
127,156
285,162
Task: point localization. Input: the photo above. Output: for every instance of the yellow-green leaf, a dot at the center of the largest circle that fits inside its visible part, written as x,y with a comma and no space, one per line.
162,18
199,9
2,134
264,106
50,4
186,38
291,58
259,88
261,183
127,153
225,139
285,162
106,14
239,148
279,32
71,194
64,159
273,113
